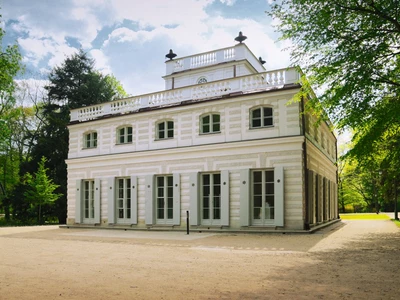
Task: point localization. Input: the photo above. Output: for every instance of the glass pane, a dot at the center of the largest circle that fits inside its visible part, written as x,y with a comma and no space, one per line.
206,214
122,131
257,213
120,203
216,127
256,123
170,213
161,126
128,213
257,177
269,176
170,125
160,191
160,181
267,112
217,214
206,120
121,213
257,201
160,213
206,179
206,202
130,138
170,181
160,203
170,203
257,189
129,130
269,201
268,121
216,119
170,191
206,128
256,113
217,179
170,133
269,188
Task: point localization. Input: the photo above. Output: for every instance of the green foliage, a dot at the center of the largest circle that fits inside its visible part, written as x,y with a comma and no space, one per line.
351,50
73,84
41,189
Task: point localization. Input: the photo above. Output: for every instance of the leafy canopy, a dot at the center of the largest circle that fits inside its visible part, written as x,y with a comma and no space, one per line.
350,49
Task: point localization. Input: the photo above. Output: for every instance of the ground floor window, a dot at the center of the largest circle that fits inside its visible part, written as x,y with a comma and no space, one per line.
164,199
123,200
262,197
88,200
211,199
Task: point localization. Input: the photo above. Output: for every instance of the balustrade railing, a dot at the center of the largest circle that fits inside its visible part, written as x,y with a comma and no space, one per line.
249,83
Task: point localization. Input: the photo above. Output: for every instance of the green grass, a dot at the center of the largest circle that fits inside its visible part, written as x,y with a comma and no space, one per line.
371,216
396,222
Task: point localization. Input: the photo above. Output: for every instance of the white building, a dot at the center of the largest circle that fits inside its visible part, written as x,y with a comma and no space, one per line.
224,141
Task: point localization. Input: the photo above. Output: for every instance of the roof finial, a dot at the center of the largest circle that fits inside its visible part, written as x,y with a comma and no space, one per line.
261,60
170,54
240,38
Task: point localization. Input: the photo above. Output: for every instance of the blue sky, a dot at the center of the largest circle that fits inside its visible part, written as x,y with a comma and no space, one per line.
129,38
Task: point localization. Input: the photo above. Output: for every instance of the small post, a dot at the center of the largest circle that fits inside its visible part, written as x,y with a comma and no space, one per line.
187,222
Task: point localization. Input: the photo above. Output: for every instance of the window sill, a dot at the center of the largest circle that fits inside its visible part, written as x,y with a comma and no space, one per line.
262,127
164,139
89,148
208,133
128,143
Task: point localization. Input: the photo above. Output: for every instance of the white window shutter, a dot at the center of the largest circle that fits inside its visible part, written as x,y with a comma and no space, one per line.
134,200
111,200
245,197
78,201
194,199
97,191
177,199
225,198
149,204
279,196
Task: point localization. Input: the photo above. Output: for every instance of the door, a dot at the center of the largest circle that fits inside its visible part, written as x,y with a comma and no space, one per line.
210,199
263,198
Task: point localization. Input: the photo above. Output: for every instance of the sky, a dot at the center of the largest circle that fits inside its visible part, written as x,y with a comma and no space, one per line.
130,38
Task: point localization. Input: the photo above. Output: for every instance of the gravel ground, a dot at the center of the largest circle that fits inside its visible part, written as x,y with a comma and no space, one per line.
348,260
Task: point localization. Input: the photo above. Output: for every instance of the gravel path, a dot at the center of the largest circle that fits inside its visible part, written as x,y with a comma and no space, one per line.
349,260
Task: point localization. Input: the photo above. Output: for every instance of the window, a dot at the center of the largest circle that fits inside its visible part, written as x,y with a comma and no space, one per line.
123,199
164,199
90,139
165,130
88,199
211,198
124,135
261,117
263,197
163,204
210,123
202,80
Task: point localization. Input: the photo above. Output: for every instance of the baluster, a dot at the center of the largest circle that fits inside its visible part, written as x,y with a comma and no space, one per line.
282,77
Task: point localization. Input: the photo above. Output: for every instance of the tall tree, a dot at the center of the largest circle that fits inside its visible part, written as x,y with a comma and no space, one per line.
351,49
74,84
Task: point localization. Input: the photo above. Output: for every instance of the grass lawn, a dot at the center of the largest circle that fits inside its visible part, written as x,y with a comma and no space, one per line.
396,222
364,217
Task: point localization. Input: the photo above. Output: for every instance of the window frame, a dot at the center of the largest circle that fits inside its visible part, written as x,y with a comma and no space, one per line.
262,221
166,130
262,117
126,200
125,135
214,210
211,123
202,80
90,137
167,197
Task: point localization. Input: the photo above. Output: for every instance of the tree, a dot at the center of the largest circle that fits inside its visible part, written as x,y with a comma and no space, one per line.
41,189
351,49
73,84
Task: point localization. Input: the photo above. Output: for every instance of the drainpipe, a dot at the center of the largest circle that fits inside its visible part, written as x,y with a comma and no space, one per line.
306,191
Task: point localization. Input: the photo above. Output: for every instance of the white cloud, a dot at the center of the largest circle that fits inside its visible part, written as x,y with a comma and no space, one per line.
102,61
228,2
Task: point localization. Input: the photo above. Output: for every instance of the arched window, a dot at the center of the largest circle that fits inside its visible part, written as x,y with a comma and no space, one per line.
261,117
124,135
90,139
202,80
210,123
165,130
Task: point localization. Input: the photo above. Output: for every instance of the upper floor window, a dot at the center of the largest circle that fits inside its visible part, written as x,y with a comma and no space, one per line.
165,130
261,117
210,123
124,135
90,139
201,80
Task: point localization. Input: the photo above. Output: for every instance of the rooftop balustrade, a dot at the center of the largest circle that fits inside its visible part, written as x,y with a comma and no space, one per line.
244,84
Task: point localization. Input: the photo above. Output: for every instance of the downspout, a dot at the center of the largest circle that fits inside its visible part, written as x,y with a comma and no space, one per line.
306,191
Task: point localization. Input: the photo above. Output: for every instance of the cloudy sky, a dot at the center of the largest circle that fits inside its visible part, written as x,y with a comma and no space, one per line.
129,38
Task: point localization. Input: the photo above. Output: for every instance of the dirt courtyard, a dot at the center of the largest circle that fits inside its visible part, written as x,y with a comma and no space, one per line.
349,260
